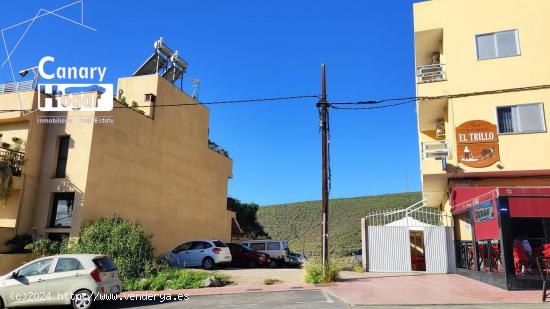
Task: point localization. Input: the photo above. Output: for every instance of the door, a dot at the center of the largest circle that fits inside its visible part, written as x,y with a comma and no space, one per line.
389,249
182,252
418,262
439,245
29,286
66,274
198,252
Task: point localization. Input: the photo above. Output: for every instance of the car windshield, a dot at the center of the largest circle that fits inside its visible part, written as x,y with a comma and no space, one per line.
285,244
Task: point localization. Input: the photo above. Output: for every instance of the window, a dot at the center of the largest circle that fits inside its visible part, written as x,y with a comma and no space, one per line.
67,264
273,246
62,154
149,97
105,264
219,244
525,118
37,268
183,247
62,210
257,246
497,45
484,211
199,245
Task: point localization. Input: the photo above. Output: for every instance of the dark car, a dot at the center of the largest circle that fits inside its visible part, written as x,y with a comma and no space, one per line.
242,255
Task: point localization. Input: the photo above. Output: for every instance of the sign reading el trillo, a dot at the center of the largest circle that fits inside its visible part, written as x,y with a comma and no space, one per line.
477,143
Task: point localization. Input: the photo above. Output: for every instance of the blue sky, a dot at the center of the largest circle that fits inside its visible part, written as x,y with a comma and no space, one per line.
252,49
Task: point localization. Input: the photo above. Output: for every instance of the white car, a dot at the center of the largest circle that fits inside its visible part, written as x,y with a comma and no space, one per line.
276,249
198,253
75,279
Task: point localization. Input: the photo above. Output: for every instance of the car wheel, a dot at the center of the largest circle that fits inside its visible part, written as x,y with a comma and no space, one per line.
252,264
82,299
208,263
1,303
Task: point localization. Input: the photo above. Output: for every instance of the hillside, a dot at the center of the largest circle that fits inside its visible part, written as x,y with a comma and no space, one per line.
300,223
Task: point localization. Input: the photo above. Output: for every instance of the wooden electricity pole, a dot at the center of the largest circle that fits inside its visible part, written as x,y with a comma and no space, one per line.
323,106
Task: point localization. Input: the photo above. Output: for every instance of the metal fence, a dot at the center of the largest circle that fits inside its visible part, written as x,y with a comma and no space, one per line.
18,86
415,215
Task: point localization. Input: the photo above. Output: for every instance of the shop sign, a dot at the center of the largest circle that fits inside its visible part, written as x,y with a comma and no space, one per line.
477,143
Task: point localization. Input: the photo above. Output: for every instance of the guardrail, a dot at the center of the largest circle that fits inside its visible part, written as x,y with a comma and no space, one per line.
18,86
430,73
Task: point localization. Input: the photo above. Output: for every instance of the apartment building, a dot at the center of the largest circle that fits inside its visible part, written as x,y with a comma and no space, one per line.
483,130
150,164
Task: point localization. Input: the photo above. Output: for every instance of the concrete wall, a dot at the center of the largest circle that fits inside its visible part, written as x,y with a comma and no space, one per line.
451,26
9,262
159,171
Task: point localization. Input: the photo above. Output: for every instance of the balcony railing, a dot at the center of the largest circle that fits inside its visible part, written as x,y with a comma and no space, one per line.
15,159
436,150
430,73
18,86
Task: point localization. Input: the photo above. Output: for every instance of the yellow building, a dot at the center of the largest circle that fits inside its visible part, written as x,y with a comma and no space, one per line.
484,137
154,166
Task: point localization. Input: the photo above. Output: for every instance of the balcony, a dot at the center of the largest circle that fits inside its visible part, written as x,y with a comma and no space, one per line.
17,87
430,73
435,150
14,159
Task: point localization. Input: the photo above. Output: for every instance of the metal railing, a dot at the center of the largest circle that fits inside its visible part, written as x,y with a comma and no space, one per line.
436,150
18,86
15,158
415,215
430,73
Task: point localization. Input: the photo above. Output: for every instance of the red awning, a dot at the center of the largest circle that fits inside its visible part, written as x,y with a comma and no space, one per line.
463,198
529,207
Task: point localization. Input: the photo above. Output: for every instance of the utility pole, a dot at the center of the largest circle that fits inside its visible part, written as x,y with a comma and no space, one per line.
323,106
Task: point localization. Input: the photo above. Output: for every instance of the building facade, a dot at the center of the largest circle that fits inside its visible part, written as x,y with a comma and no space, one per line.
483,78
153,166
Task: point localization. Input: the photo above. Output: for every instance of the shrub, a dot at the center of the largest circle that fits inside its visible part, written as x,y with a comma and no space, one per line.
271,281
173,279
18,243
44,247
123,240
314,271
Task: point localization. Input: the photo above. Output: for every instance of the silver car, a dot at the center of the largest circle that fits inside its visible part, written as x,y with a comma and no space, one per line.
198,253
75,279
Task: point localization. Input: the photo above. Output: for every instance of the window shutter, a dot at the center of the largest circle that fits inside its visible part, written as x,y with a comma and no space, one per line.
506,42
486,48
530,118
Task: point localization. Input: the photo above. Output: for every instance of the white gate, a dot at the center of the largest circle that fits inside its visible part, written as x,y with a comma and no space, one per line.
387,242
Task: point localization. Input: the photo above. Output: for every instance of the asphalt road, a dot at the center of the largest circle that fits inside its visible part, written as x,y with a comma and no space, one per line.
288,299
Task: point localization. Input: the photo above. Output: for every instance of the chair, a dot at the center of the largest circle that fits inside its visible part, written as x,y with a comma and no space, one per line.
520,257
543,263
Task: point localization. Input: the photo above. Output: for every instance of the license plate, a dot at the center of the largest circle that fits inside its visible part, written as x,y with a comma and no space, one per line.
226,257
115,289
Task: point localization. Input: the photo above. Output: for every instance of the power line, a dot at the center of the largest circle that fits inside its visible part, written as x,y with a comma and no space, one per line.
335,106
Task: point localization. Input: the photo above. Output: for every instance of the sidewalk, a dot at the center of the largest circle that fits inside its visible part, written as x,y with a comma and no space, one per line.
425,289
390,289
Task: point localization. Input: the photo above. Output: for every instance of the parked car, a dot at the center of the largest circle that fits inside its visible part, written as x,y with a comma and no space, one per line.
242,255
75,279
276,249
296,259
198,253
358,256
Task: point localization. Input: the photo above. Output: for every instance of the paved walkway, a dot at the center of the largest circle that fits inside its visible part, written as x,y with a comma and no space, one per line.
425,289
393,289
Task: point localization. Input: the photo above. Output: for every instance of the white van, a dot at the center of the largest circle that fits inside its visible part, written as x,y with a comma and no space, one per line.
276,249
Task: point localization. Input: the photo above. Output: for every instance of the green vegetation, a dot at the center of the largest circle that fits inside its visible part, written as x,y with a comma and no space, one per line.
173,279
300,223
123,240
10,160
246,216
313,270
217,148
271,281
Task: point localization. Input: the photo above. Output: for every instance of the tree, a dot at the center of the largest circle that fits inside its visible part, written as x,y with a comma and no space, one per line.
246,216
